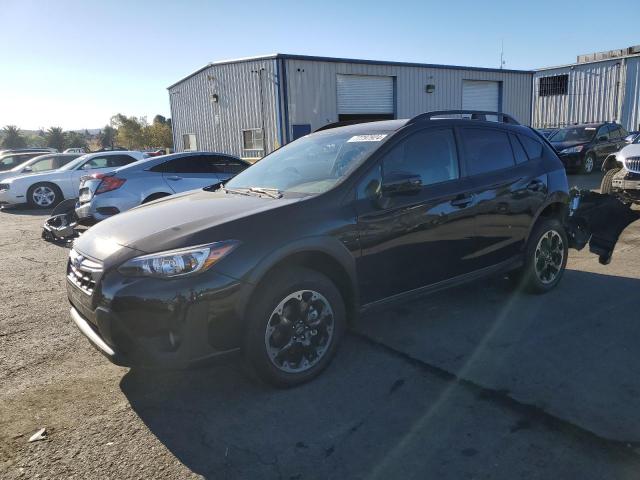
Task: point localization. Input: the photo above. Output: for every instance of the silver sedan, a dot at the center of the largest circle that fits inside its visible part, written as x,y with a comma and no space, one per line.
104,195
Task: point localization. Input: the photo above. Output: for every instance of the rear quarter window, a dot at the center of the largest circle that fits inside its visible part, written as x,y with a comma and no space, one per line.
531,146
487,150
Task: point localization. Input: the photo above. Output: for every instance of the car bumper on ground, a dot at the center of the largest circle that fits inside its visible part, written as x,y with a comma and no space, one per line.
157,323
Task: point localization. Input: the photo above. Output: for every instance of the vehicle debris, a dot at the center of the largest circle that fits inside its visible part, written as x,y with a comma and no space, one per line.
599,220
60,227
39,435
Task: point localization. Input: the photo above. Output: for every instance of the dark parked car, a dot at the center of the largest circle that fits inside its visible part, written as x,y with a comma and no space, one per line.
584,147
547,132
275,262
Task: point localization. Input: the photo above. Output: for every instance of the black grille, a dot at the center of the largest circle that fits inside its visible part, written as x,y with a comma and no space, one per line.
82,272
632,164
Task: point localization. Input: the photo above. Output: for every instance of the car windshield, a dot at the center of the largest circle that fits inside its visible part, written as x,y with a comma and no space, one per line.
574,134
312,164
73,164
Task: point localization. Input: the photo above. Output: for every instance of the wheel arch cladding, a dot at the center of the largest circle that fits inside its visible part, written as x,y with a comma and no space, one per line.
335,262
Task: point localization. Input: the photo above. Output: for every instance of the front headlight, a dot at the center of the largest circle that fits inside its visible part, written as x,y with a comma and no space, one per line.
576,149
177,263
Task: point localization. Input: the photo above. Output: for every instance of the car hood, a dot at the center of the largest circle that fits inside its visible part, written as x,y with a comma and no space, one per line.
632,150
559,146
172,222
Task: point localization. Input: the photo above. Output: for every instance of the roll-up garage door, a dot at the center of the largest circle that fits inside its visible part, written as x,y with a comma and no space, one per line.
365,94
480,95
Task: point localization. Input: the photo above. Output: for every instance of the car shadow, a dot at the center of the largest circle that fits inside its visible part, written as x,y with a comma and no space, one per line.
555,352
25,210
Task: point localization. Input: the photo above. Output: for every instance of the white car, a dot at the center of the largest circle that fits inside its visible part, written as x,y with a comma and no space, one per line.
44,190
74,150
41,163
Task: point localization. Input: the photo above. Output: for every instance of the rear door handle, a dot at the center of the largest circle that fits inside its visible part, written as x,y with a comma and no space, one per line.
535,185
462,200
174,178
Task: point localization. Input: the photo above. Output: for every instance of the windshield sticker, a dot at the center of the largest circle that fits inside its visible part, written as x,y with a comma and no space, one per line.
367,138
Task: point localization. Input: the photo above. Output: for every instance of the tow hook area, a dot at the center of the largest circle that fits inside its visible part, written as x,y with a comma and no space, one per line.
598,220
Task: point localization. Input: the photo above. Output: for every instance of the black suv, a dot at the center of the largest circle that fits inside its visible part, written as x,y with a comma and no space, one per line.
275,262
584,147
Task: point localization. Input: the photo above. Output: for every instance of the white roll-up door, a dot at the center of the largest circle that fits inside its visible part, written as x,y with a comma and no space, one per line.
480,95
365,94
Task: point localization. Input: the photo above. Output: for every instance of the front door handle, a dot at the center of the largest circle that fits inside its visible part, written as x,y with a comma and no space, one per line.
174,178
462,201
535,186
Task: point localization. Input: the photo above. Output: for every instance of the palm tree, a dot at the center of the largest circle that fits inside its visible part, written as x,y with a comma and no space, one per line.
12,137
55,138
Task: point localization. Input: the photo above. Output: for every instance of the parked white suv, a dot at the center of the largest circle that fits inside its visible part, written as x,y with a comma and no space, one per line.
44,190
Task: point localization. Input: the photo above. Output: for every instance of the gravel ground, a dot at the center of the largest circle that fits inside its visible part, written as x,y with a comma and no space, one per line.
381,410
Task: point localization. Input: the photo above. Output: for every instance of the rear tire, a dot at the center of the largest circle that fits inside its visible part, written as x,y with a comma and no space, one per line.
545,257
294,325
44,195
606,186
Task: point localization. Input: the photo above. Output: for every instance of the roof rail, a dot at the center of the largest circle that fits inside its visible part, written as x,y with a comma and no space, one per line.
475,115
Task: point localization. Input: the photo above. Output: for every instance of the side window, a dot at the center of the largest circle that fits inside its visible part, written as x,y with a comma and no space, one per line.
487,150
518,150
189,164
43,165
8,162
119,160
96,162
531,146
229,165
65,159
429,153
603,133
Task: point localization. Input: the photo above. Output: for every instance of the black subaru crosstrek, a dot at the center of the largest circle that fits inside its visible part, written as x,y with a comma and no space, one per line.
275,262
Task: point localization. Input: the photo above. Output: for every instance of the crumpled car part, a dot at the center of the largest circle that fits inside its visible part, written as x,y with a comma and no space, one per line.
60,226
598,220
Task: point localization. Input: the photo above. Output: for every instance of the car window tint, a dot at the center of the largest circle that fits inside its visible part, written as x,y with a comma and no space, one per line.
9,161
119,160
603,132
429,153
487,150
518,149
531,146
188,164
228,165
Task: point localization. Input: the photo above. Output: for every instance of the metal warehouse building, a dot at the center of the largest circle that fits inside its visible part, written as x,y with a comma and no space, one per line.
249,107
602,86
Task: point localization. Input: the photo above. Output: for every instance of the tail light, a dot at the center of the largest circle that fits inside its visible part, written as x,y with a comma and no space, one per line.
109,183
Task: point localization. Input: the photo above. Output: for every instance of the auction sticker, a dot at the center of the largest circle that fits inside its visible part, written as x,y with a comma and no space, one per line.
367,138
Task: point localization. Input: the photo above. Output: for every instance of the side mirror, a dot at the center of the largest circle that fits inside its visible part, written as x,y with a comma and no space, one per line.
401,183
27,169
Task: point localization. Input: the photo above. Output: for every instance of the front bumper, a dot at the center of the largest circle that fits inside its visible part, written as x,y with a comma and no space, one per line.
159,323
571,160
627,184
8,197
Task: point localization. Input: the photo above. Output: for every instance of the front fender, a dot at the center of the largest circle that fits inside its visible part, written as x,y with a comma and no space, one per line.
611,162
318,244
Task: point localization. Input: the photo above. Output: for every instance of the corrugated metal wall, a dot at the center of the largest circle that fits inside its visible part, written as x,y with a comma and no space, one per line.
312,89
631,101
596,92
218,126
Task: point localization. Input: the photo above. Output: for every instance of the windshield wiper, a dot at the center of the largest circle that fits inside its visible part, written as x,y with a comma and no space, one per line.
239,192
271,192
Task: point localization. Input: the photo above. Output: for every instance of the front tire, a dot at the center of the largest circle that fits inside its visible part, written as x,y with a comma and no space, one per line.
606,186
295,324
44,195
545,256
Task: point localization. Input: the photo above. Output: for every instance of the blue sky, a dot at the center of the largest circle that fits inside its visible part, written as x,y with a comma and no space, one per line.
75,63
